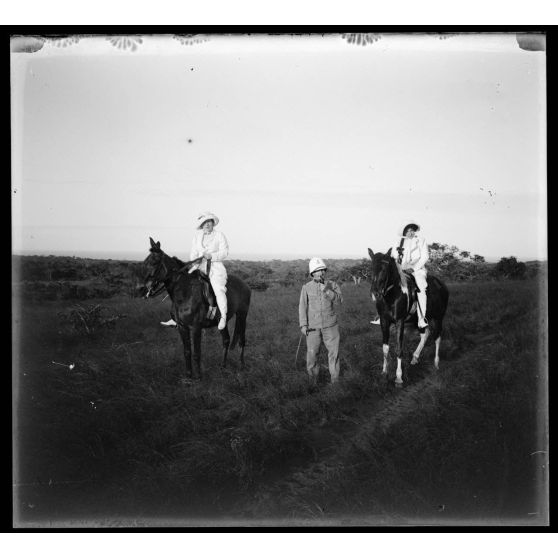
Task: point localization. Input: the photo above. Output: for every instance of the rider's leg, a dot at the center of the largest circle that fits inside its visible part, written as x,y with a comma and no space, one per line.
218,278
420,278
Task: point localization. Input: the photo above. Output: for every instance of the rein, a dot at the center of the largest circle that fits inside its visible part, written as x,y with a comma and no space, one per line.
385,287
161,288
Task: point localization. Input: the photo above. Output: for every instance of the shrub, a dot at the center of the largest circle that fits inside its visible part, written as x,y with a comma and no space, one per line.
510,268
88,319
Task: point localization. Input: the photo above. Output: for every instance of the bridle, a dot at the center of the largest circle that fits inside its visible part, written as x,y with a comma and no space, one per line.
385,288
157,286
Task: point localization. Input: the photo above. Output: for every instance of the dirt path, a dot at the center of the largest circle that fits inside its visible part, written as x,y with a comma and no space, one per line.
330,442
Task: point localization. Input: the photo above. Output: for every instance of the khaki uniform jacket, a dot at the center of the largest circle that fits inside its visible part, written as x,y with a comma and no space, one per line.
316,308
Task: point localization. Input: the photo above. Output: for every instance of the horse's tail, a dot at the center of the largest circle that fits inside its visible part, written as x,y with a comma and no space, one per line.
239,333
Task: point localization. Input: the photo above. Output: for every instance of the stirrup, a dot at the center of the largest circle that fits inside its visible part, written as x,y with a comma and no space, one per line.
211,312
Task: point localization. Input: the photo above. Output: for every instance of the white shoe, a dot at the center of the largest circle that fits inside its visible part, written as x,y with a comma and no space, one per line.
170,323
422,323
376,321
222,323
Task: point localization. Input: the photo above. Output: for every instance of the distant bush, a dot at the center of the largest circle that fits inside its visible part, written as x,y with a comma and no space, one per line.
510,268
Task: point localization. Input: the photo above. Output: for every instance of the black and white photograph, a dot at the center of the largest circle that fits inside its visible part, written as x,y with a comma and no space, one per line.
276,280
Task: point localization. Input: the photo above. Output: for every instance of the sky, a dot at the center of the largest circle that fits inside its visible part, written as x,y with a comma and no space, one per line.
301,145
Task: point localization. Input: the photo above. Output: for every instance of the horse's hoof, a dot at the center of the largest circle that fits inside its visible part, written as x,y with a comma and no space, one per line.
384,372
398,382
414,361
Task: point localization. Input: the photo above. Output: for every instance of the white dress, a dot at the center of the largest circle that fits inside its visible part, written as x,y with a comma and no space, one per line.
216,244
415,255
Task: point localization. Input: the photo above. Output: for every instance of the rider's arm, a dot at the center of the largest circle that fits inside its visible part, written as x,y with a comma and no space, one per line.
423,255
222,248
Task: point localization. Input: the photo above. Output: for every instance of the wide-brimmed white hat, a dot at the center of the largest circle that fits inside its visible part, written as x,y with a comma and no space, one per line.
206,216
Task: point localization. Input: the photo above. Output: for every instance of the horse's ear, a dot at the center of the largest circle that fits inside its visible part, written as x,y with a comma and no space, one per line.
370,253
388,253
155,245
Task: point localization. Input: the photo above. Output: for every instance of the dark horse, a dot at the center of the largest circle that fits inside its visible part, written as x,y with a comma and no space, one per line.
396,306
190,306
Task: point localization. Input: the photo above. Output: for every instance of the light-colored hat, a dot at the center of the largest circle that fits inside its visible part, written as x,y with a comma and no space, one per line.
316,264
206,216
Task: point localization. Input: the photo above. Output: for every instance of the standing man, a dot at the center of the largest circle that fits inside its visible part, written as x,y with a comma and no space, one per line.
318,319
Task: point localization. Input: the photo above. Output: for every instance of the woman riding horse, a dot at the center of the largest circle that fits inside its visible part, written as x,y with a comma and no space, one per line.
412,255
212,246
394,305
186,288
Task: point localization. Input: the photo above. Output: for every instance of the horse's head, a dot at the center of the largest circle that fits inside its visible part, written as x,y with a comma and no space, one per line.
162,271
380,272
156,269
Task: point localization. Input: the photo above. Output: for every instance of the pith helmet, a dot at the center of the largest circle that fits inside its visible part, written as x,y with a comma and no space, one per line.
206,216
316,264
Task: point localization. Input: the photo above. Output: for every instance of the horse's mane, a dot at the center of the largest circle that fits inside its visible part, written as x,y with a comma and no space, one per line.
177,261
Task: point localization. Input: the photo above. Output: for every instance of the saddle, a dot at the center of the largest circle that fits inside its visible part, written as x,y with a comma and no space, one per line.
413,291
208,295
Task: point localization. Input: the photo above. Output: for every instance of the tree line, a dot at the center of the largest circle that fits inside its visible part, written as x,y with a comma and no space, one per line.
51,277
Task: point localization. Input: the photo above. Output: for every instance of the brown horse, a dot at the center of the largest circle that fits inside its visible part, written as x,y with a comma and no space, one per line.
190,307
394,306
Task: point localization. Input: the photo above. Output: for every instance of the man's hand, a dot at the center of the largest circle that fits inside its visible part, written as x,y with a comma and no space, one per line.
409,270
304,330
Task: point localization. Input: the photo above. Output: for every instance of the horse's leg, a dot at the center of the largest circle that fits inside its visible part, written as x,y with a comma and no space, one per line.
241,324
400,328
196,334
418,350
437,356
435,325
226,343
385,342
185,336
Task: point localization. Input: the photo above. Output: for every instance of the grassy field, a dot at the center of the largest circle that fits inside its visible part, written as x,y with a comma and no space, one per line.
119,440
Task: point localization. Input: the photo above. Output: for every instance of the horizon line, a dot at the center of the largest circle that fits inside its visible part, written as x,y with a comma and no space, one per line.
130,255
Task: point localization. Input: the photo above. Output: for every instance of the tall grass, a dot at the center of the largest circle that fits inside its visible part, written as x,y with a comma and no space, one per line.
119,432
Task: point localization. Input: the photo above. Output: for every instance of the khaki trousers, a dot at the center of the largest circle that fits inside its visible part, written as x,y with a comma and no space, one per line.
330,337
